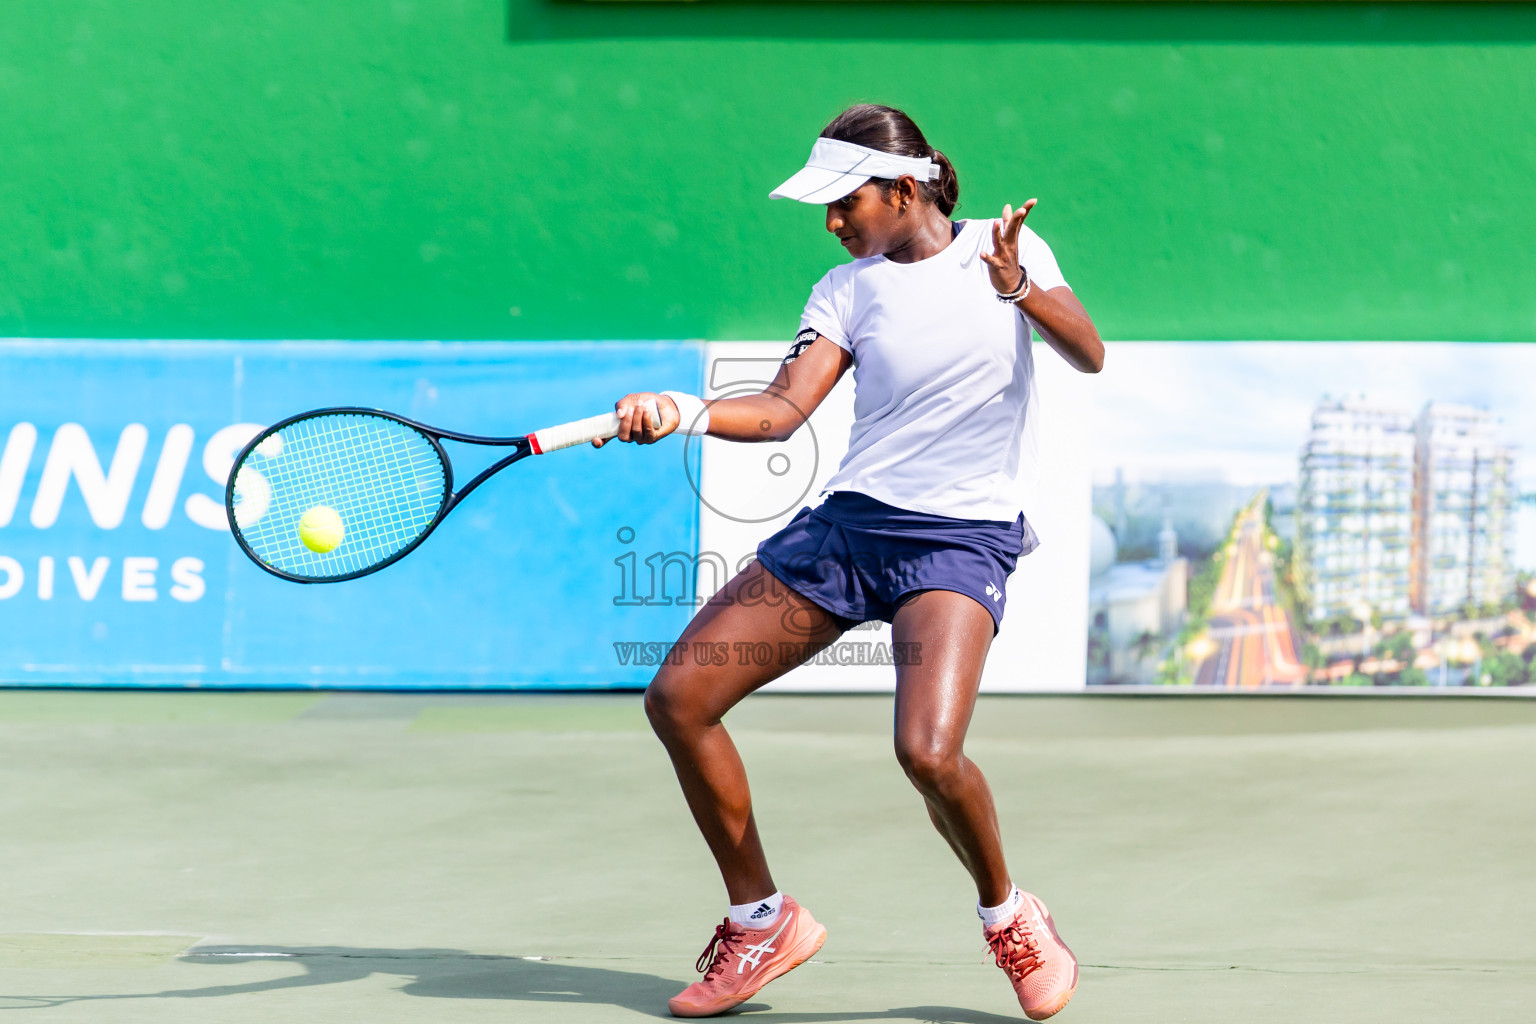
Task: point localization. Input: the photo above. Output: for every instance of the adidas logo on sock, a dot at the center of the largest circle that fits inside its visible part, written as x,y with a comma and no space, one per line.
762,911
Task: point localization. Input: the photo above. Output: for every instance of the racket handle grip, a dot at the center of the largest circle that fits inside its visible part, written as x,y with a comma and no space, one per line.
568,435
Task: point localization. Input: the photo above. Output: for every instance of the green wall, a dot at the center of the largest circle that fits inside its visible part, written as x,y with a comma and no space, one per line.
541,169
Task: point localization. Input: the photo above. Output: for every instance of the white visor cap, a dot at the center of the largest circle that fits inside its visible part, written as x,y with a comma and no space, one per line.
836,168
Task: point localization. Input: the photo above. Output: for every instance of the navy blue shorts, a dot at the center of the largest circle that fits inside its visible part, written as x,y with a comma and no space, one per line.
860,558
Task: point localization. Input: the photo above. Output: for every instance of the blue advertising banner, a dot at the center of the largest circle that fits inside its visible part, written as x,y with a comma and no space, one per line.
117,568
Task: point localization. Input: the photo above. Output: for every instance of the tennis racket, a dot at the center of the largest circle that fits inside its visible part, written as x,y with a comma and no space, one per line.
374,483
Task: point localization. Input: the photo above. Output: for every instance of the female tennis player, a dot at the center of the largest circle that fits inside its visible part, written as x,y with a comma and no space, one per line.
921,527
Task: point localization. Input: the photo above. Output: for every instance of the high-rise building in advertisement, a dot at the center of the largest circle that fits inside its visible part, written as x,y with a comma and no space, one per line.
1354,510
1463,509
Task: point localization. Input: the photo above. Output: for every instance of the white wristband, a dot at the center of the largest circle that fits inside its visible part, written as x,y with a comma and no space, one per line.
692,411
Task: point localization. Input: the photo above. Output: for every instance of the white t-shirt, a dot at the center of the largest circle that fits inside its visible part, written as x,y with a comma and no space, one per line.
942,373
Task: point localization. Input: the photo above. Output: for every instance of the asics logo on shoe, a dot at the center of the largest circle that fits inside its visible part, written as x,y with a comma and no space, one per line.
754,954
762,911
994,593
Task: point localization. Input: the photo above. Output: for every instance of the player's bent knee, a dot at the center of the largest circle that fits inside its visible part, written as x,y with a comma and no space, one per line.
667,705
931,766
659,707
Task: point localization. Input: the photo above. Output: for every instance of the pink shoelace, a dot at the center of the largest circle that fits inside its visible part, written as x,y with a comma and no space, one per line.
721,945
1017,950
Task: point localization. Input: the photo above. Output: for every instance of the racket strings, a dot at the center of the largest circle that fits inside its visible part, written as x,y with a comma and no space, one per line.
385,481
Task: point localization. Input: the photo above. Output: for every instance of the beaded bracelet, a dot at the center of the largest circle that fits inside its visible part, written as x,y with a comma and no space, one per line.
1020,292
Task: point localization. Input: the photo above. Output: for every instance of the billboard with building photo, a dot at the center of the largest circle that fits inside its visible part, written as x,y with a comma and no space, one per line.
1303,514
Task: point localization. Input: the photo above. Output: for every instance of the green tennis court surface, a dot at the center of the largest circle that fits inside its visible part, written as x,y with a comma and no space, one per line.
245,857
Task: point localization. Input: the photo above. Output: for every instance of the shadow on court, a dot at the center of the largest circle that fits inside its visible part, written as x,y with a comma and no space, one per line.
455,974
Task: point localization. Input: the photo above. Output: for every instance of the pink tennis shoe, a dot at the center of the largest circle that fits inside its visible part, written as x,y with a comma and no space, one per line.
1041,967
739,961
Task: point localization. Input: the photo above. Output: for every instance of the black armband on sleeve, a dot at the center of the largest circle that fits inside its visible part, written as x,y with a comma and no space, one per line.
802,341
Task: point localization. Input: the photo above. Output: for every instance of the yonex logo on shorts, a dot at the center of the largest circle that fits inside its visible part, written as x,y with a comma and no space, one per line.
992,592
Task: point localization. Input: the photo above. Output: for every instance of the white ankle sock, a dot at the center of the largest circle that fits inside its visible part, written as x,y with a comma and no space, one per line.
991,916
759,913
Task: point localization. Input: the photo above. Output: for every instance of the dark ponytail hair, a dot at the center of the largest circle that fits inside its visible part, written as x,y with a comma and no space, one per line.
891,131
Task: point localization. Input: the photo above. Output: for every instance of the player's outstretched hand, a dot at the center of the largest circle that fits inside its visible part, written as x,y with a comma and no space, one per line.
644,418
1003,260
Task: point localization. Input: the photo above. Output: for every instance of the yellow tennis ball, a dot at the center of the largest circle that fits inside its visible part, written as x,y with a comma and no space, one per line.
321,530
